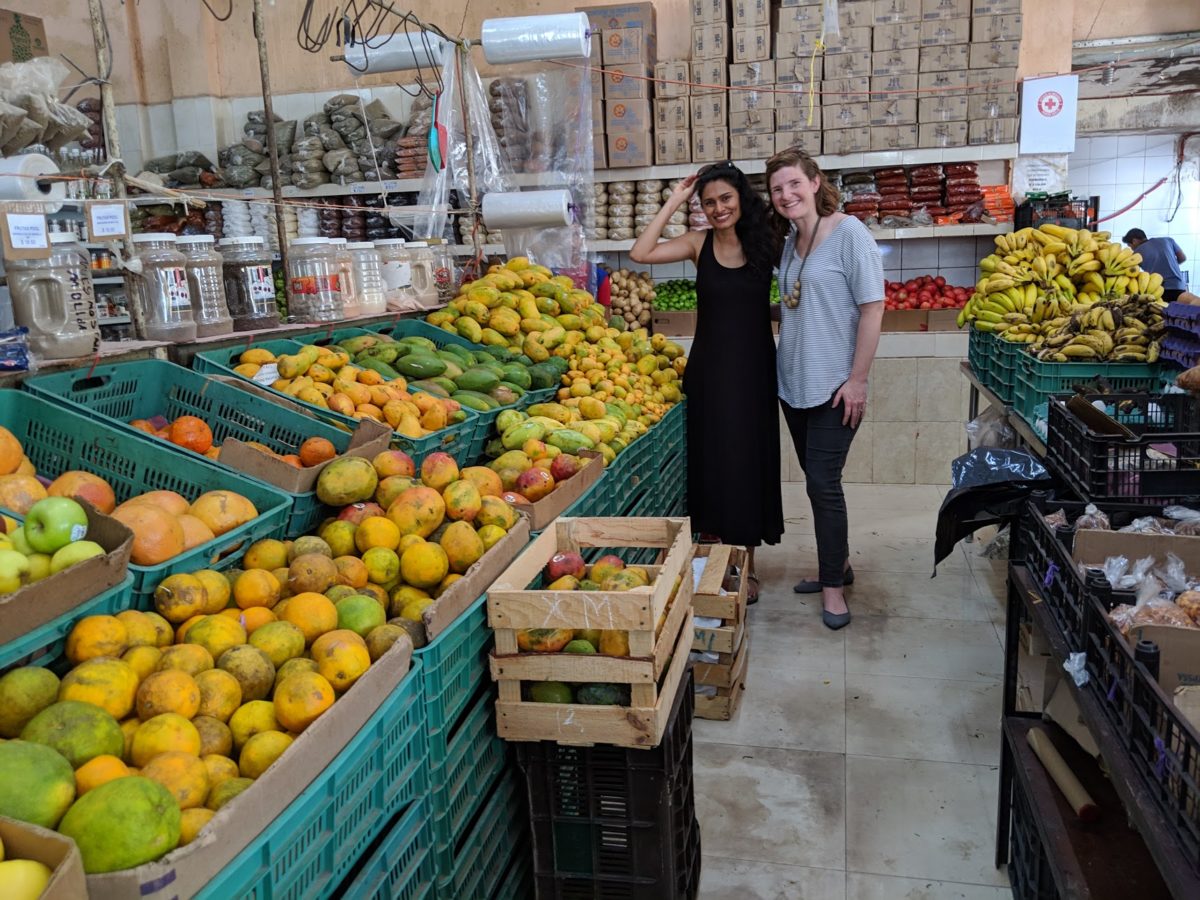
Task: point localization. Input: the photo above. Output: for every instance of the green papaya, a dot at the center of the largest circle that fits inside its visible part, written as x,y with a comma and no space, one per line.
463,356
515,388
420,365
517,374
378,365
419,343
430,386
515,437
568,440
359,343
477,378
603,695
542,376
475,400
505,396
385,352
469,328
453,369
508,419
446,384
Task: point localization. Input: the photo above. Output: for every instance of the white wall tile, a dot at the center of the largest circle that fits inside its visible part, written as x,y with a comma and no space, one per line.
920,253
1104,148
1131,145
1131,170
1159,145
1102,171
957,252
959,276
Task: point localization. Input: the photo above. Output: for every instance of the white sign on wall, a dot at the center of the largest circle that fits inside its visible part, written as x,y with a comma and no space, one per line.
1048,110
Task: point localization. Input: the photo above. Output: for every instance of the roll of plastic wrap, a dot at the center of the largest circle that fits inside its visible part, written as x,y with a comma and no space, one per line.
403,50
531,38
527,209
19,181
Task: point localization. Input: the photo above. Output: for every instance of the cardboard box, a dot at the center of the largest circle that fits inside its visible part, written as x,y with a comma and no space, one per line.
710,110
623,15
799,96
889,87
627,115
846,140
890,12
675,324
752,74
796,118
33,605
800,18
710,144
946,9
995,7
710,42
1037,679
901,36
741,101
943,107
674,114
1064,712
1002,104
787,4
952,58
672,147
806,139
992,131
852,40
895,110
893,137
752,121
629,45
905,320
709,72
995,79
751,13
996,28
630,148
895,62
751,44
671,78
856,14
33,26
796,44
630,82
942,134
599,151
955,78
1187,701
595,64
709,12
597,115
845,115
57,853
994,55
942,32
841,65
845,90
943,319
628,32
541,513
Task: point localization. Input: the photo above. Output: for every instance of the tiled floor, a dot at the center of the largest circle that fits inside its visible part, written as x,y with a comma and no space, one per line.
862,764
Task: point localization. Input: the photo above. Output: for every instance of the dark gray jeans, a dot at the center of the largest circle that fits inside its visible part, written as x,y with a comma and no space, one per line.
822,444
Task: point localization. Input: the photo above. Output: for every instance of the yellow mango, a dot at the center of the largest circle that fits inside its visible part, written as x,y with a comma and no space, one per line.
434,418
410,426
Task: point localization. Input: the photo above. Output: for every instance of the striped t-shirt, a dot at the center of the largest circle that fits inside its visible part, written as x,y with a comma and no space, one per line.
817,339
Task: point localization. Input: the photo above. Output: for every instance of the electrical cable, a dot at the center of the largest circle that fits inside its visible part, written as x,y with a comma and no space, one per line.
219,18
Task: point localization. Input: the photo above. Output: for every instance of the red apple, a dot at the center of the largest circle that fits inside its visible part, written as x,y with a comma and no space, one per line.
356,512
564,466
565,564
535,483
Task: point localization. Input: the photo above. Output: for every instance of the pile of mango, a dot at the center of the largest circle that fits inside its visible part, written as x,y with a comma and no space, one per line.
365,387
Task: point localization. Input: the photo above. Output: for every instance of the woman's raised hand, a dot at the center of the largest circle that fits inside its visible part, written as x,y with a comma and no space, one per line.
683,191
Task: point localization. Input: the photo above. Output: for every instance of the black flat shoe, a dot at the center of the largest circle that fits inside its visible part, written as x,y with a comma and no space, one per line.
814,587
834,621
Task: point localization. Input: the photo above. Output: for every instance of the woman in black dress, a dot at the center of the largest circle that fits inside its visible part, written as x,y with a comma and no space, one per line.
732,421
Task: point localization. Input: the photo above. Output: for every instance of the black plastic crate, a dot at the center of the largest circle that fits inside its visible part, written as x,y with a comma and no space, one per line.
1161,462
1029,869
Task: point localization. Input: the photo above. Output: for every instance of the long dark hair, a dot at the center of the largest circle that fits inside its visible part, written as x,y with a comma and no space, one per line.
826,200
753,229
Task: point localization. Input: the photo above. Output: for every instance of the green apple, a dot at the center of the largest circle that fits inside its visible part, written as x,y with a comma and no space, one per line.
53,523
13,566
39,567
74,553
19,542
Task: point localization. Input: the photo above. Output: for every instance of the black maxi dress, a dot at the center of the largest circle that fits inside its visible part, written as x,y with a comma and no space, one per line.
732,411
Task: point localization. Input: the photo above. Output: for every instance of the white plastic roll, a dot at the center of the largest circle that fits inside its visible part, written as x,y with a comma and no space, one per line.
527,209
403,50
18,181
532,38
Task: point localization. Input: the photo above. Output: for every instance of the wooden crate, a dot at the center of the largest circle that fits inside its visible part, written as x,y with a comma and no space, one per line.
657,657
708,601
724,705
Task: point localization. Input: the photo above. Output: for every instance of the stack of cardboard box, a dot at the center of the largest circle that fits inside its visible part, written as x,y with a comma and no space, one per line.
709,102
995,45
628,54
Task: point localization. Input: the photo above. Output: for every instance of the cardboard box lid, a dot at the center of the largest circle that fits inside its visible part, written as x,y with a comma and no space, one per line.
25,841
554,504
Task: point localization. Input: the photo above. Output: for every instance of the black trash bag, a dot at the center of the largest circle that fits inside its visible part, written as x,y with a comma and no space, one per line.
993,465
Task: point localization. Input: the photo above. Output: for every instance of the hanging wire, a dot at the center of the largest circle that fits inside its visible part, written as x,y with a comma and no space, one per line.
215,14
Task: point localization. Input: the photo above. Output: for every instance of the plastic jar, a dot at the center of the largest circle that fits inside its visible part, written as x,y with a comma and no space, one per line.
249,284
161,289
351,305
314,281
54,299
368,278
396,268
424,283
444,275
206,284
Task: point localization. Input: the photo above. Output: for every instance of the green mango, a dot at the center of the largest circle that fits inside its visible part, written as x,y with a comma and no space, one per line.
508,419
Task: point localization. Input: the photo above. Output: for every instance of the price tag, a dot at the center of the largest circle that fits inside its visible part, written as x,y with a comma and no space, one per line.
391,185
247,192
25,236
107,221
358,188
267,375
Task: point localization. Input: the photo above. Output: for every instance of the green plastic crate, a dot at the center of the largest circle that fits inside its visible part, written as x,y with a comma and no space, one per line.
401,866
321,837
1006,362
454,665
117,393
671,433
482,856
981,348
1038,381
45,645
57,439
517,883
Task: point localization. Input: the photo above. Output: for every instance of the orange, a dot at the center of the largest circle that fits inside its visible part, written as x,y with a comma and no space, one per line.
183,774
266,554
314,614
217,587
316,450
293,666
143,425
182,630
301,698
139,627
280,641
314,572
220,768
190,658
192,822
352,571
129,728
167,501
254,618
376,531
223,511
179,597
110,684
97,771
157,535
256,587
84,486
260,751
383,565
195,532
191,432
424,565
143,660
20,492
341,658
215,736
252,718
216,634
11,453
95,636
292,460
170,691
226,791
163,734
220,694
163,629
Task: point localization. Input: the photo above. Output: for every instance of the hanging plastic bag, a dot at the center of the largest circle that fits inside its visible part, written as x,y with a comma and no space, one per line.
990,429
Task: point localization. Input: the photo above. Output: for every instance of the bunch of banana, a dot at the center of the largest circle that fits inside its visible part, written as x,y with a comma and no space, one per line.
1122,329
1118,260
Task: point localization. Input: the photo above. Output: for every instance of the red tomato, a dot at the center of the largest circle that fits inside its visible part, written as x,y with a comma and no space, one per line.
902,295
940,281
925,305
910,285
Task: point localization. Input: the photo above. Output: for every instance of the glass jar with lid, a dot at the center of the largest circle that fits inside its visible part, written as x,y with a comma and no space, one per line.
346,279
368,278
160,288
54,299
314,281
206,284
249,284
424,282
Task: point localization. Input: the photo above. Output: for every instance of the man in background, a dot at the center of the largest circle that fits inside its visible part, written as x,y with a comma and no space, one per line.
1162,255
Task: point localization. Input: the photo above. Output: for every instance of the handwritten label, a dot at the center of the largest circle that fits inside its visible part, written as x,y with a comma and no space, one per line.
267,375
107,221
358,188
27,231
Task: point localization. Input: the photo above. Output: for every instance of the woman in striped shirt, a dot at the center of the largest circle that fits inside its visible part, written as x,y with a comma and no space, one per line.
831,288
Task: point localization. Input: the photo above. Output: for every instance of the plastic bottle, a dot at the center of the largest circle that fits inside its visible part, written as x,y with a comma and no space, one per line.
424,282
54,299
314,281
206,284
396,267
351,305
443,272
161,289
249,284
368,278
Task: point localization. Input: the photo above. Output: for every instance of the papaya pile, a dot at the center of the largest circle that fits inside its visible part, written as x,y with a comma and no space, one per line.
326,377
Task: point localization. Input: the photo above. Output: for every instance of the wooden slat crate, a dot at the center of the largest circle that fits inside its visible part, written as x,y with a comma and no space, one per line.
729,641
724,705
659,628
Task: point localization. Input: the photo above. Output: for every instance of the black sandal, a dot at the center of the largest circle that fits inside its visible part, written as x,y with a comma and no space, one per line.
752,599
814,587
